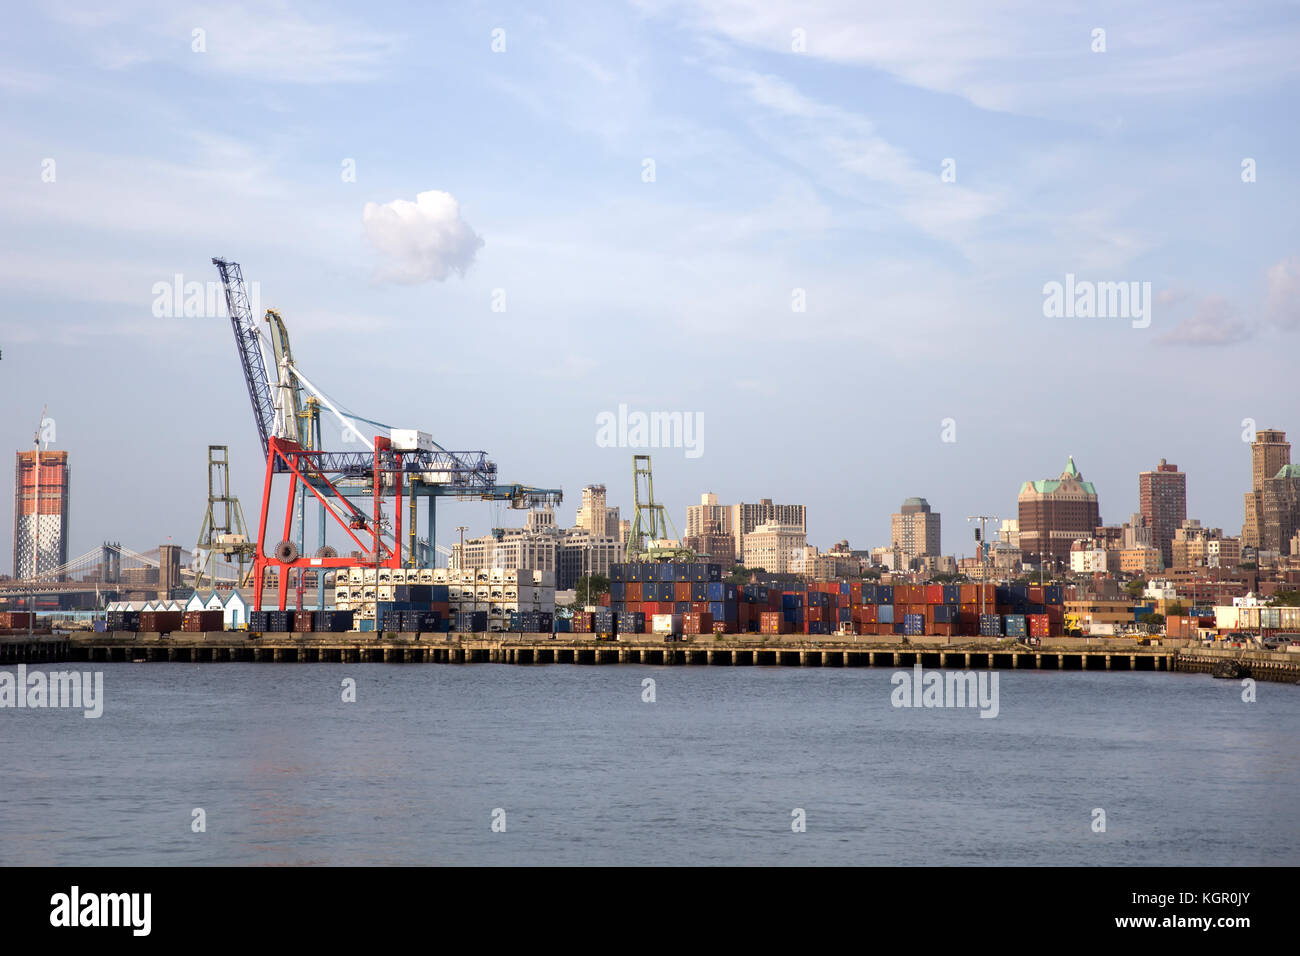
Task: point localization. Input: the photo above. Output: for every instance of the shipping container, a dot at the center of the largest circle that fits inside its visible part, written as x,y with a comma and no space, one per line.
667,624
697,623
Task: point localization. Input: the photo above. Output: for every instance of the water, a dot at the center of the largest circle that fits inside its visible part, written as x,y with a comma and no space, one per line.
587,773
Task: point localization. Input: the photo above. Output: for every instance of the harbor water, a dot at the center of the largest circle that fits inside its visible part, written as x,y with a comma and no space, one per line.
561,764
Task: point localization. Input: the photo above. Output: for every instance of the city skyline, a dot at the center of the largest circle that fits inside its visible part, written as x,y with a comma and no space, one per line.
519,519
632,210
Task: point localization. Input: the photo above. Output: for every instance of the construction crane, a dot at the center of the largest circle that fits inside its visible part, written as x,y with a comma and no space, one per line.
652,537
223,532
400,462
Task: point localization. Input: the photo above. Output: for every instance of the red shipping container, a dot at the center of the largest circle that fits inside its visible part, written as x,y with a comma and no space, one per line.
934,594
604,600
1036,594
870,613
195,621
161,622
682,592
1039,625
697,623
632,591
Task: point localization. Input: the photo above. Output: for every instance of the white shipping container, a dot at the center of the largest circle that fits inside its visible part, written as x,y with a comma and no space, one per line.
385,592
666,624
410,439
1226,618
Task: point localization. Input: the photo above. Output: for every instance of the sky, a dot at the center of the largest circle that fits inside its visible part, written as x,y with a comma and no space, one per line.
822,231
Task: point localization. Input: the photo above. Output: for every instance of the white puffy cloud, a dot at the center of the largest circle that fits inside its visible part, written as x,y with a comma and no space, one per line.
421,240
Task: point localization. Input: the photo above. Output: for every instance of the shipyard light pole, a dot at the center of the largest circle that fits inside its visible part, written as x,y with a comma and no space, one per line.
981,543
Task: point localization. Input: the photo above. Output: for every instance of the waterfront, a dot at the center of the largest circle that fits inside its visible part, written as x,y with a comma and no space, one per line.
286,772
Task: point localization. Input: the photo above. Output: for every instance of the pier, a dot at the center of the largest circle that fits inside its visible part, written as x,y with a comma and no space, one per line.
393,648
37,649
736,651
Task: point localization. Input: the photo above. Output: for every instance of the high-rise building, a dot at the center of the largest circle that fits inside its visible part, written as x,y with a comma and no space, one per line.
774,547
1055,512
1163,497
708,530
914,530
40,525
594,516
570,553
1269,454
1195,547
1279,510
710,518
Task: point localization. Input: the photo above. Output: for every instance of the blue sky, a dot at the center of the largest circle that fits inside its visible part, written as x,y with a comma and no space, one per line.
776,169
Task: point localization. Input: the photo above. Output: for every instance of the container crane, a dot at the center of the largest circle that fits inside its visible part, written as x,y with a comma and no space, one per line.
652,537
401,460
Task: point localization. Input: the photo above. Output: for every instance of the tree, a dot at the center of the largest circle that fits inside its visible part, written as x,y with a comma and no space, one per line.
739,575
1155,620
1176,609
1285,598
1136,587
589,588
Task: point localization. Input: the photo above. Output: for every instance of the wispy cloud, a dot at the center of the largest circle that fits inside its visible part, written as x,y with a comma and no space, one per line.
1018,56
275,41
1215,323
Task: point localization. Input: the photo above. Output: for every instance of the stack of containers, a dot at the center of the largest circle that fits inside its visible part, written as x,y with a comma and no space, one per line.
117,620
334,622
676,588
531,622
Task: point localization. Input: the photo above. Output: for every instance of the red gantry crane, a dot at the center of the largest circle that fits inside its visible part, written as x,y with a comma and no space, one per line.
405,458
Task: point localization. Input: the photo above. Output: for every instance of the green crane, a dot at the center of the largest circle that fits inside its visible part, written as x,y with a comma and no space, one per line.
652,536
